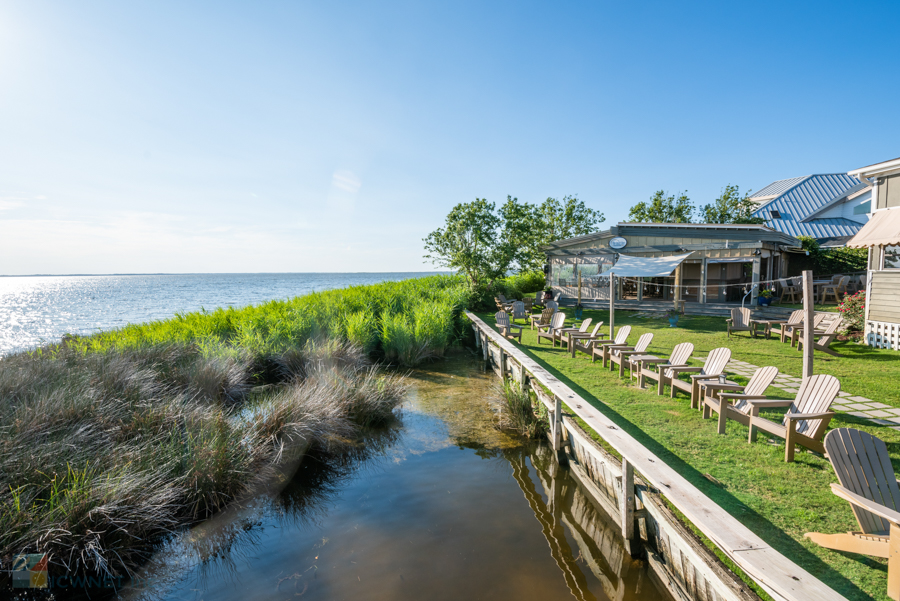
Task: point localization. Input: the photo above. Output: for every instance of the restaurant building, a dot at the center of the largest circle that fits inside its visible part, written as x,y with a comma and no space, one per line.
718,263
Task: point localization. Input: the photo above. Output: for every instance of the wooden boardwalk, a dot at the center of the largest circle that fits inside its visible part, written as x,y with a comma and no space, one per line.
776,574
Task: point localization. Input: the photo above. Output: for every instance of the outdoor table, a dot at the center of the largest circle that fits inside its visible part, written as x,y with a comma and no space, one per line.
715,388
768,323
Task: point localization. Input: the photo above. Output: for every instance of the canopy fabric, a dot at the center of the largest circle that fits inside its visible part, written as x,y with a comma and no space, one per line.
646,267
882,229
731,260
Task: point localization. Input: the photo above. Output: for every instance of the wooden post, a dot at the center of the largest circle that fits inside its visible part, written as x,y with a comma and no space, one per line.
612,306
477,336
808,316
894,562
704,276
640,289
521,377
484,345
754,286
626,505
502,362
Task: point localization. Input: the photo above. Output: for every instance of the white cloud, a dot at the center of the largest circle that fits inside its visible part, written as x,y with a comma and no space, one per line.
346,181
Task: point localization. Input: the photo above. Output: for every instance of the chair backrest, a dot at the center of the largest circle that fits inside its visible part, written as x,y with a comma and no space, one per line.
502,298
759,381
844,281
585,325
643,342
528,302
681,353
815,396
556,297
796,318
834,325
740,317
552,305
596,329
818,319
502,318
539,296
518,309
558,320
546,314
716,361
784,283
836,279
863,465
622,334
862,282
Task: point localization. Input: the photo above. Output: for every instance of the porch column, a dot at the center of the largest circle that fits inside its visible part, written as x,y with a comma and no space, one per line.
678,279
769,268
704,273
754,282
640,289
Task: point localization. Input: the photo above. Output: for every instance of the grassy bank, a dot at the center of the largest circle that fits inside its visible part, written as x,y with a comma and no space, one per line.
108,443
778,501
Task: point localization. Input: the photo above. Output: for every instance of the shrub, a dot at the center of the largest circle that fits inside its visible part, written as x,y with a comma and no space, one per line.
516,410
853,310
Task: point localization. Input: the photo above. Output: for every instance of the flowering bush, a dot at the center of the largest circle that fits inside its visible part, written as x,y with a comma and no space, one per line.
853,310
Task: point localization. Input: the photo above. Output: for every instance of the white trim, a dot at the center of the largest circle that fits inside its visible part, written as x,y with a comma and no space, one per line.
876,169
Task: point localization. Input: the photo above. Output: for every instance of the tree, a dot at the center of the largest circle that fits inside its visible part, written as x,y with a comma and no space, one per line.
663,209
468,242
485,243
731,207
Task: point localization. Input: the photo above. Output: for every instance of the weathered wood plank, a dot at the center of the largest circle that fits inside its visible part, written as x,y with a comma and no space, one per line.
779,576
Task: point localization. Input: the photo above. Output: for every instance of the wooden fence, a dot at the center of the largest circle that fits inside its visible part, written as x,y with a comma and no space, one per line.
630,490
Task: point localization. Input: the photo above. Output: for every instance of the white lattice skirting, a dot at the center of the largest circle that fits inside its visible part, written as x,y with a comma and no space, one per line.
882,334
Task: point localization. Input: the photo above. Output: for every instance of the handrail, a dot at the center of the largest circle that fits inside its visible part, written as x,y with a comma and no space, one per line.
776,574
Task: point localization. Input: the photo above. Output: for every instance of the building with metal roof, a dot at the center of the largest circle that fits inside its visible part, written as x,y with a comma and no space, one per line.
830,207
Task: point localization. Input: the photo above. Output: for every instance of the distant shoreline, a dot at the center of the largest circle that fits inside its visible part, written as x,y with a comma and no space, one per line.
81,275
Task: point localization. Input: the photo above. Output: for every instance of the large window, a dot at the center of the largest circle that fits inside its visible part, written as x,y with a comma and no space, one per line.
892,257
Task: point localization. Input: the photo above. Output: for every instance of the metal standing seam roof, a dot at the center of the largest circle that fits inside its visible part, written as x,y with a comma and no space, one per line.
803,197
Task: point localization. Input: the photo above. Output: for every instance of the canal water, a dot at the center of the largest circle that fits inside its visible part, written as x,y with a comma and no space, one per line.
438,505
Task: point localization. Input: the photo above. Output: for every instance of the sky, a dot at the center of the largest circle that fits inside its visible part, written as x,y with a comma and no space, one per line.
179,137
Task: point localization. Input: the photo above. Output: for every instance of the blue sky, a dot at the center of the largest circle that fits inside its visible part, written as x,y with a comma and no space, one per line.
333,136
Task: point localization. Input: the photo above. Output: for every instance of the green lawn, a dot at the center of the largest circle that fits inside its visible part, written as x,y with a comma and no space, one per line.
778,501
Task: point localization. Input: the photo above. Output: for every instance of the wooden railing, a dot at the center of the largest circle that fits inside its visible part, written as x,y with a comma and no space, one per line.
773,572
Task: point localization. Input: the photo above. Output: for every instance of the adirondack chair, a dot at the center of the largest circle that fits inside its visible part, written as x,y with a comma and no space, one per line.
556,297
797,331
867,481
716,396
680,354
835,288
601,347
505,303
739,320
715,365
552,305
788,290
543,319
563,333
507,329
585,342
622,355
529,303
826,337
518,311
549,331
805,421
783,329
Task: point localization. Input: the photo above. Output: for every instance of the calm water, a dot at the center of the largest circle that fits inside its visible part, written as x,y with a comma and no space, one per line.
438,506
38,310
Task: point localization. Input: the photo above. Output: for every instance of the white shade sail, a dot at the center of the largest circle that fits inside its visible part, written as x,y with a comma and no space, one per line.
646,267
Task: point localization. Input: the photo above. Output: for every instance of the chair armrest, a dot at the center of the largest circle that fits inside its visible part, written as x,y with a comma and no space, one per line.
512,325
772,403
798,416
684,368
717,386
728,320
704,376
653,360
864,503
738,396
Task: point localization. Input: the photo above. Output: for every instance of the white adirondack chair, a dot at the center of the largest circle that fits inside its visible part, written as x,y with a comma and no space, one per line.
563,333
716,396
826,337
601,347
549,331
784,328
739,320
507,329
518,311
680,354
714,366
621,355
806,420
585,342
543,319
867,481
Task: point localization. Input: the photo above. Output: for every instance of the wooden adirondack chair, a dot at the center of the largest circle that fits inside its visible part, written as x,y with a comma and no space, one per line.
507,329
716,396
601,347
563,333
835,288
518,311
585,342
739,320
788,290
680,354
805,421
529,303
797,331
784,328
549,331
715,364
867,481
826,337
543,319
622,354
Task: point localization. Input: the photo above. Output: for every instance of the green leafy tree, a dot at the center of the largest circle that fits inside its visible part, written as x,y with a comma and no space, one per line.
469,242
827,261
731,207
663,209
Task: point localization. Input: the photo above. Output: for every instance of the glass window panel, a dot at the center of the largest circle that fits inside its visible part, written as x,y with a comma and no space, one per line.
892,257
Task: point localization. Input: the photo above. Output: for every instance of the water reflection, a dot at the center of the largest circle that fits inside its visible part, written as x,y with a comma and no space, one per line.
438,505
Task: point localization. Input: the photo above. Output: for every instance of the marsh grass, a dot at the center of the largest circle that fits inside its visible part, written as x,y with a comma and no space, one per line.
519,410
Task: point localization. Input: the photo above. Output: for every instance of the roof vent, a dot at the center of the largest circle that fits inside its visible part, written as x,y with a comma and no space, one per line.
774,214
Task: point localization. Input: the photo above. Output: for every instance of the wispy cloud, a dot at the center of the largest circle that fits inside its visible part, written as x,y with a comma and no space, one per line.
346,181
